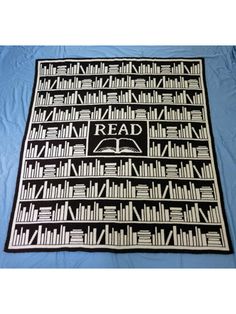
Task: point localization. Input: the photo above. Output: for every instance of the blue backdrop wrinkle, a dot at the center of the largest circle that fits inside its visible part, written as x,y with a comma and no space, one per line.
17,66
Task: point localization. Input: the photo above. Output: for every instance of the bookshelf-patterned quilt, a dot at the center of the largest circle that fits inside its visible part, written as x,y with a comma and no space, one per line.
118,155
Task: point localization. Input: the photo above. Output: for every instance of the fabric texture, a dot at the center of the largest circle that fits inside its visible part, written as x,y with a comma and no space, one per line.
16,79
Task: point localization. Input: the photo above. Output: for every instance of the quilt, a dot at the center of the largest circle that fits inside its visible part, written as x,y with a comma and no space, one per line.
118,155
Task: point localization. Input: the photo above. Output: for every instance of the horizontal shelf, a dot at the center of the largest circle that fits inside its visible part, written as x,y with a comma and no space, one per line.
119,103
150,248
119,199
120,74
113,156
116,221
84,138
179,139
56,139
119,177
118,88
99,120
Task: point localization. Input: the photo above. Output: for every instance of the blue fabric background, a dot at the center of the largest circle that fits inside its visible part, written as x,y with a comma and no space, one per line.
17,65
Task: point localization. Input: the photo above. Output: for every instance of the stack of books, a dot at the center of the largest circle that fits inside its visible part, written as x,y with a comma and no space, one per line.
79,190
140,83
52,132
167,98
112,98
113,68
140,114
76,236
171,131
109,213
142,190
202,151
171,171
79,150
44,213
176,214
206,193
144,237
49,171
110,169
213,238
193,83
165,69
196,115
85,114
58,99
61,69
87,83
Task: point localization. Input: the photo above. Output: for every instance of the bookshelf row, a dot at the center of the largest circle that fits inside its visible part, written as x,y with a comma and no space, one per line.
112,82
122,189
157,130
193,213
123,67
65,149
45,98
64,130
116,113
97,168
127,236
174,150
182,130
77,149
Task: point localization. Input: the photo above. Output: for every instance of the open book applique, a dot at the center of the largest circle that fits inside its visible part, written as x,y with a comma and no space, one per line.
117,146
